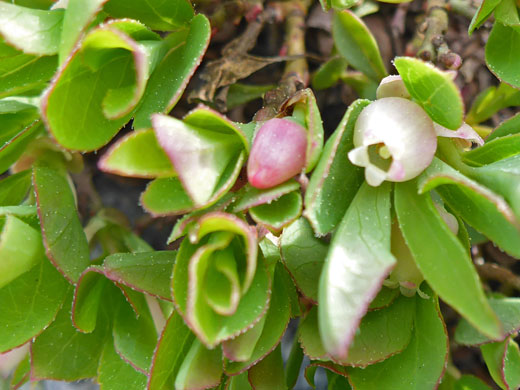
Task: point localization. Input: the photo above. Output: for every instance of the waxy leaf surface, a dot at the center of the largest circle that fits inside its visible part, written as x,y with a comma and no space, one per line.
303,255
63,236
501,49
356,43
421,365
480,205
33,31
168,81
29,304
442,259
335,180
174,343
433,90
508,312
358,261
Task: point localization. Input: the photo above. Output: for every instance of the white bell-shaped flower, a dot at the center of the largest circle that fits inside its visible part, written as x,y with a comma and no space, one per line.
394,139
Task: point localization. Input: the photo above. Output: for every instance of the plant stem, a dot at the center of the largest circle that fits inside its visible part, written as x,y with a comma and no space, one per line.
434,47
296,73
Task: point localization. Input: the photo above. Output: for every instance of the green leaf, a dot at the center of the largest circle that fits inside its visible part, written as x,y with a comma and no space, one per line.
476,204
305,111
157,14
421,365
276,321
20,249
166,196
34,31
22,72
492,100
503,177
174,344
134,334
508,312
116,374
14,188
303,254
29,304
239,382
207,160
433,89
510,126
107,75
147,272
278,213
21,374
137,155
495,150
249,196
268,374
78,16
329,73
13,148
87,298
393,323
335,180
468,382
483,13
507,13
442,259
65,242
293,364
503,362
210,326
63,353
168,81
384,298
201,368
241,348
357,45
358,261
503,43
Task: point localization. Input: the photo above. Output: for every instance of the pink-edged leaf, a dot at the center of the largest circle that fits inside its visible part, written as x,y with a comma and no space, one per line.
393,323
219,221
174,344
268,374
166,196
503,362
508,312
116,374
280,213
201,368
335,179
358,261
205,159
137,155
65,242
276,321
421,365
442,259
170,78
250,196
303,255
135,336
30,303
106,91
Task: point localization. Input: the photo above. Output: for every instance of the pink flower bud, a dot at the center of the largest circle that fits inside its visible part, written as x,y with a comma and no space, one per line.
278,153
